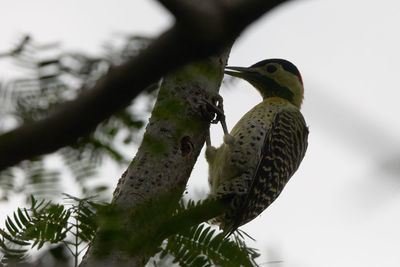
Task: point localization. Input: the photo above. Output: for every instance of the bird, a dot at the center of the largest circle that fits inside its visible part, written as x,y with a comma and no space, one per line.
265,147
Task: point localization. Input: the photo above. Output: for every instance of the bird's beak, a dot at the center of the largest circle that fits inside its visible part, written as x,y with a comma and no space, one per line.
240,72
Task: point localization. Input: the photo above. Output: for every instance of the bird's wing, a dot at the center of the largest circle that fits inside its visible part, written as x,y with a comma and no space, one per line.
284,147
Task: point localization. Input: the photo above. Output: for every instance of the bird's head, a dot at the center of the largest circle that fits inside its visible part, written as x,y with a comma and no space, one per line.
273,78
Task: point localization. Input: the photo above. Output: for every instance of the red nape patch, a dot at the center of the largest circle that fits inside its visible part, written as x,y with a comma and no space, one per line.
301,79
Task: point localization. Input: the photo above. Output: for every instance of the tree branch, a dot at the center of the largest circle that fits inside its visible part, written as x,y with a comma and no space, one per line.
121,84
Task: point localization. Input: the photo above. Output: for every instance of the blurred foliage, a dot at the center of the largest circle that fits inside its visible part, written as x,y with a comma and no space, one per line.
70,227
37,178
50,77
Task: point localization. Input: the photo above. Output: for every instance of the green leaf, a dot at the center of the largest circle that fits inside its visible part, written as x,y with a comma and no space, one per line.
198,232
13,240
204,234
22,218
12,229
17,221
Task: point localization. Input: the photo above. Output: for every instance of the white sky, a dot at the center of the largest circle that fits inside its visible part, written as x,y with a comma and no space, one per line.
341,208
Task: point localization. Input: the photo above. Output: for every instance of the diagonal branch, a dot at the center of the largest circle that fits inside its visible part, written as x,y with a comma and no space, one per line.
121,84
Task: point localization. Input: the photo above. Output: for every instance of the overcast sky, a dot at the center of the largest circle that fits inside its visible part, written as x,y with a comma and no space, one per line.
341,208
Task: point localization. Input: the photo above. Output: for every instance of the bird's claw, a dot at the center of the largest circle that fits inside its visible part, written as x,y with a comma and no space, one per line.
213,110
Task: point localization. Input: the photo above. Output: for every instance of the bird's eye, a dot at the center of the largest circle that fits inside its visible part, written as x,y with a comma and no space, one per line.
271,68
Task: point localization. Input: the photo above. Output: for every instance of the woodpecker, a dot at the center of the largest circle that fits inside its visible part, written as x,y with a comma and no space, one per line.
264,149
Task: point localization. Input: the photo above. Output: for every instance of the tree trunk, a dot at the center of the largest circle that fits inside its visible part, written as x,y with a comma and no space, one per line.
158,174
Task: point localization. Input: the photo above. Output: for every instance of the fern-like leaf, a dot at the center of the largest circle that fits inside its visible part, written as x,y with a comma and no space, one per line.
44,222
201,246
